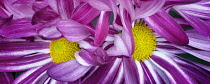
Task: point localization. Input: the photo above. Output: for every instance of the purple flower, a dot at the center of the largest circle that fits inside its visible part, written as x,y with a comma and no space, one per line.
6,77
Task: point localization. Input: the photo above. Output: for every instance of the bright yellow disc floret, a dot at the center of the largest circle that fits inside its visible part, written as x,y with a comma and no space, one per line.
63,50
145,42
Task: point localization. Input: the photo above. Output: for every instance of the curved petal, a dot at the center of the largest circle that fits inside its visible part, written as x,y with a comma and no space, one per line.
171,69
85,14
130,71
148,8
105,74
50,33
72,30
167,27
100,4
24,63
91,57
33,75
18,28
12,48
198,41
67,71
102,28
6,77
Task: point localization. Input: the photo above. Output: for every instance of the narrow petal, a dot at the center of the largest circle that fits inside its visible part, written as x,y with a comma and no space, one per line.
100,4
105,74
102,28
128,6
19,10
167,27
33,75
12,49
44,15
119,48
91,57
198,41
6,77
85,14
50,33
24,63
65,8
67,71
72,30
18,28
148,8
204,55
171,69
130,71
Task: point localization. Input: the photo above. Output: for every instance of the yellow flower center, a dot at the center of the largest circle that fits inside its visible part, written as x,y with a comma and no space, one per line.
145,42
63,50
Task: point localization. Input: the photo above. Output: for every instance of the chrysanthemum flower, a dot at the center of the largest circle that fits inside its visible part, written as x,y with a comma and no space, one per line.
54,59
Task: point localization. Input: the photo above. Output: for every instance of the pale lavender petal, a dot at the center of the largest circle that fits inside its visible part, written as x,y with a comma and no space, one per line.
151,73
102,5
50,33
128,6
130,71
198,41
173,71
200,25
85,14
167,27
6,78
18,28
65,8
18,10
199,9
102,28
199,74
127,35
91,57
204,55
119,48
148,8
44,15
15,49
105,74
67,71
24,63
72,30
32,76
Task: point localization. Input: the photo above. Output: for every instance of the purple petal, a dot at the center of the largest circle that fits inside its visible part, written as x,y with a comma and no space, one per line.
32,76
130,71
171,69
6,78
24,63
50,33
204,55
102,5
18,28
91,57
62,71
198,24
148,8
65,8
105,74
119,48
85,14
127,35
167,27
15,49
43,15
198,41
127,4
102,28
19,10
72,30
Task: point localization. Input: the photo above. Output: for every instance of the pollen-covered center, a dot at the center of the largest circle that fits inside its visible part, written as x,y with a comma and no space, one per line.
63,50
145,42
